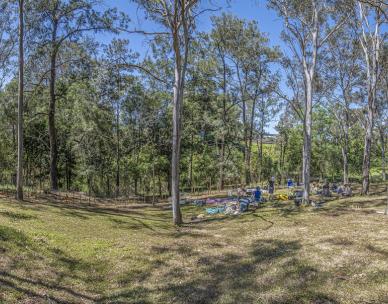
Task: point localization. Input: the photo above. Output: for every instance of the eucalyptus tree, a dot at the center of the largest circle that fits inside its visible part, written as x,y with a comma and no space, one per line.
370,17
219,47
114,82
344,70
19,175
308,26
245,51
268,106
178,18
56,24
382,109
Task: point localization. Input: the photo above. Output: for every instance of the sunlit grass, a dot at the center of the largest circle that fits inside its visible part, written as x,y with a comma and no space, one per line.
60,251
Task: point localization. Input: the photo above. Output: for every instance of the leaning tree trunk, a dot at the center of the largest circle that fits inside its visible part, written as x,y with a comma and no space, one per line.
19,177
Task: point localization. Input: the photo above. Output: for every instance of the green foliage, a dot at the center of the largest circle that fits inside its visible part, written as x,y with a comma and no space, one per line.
114,120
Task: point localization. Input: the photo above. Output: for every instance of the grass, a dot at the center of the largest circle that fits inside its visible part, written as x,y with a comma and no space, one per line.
56,250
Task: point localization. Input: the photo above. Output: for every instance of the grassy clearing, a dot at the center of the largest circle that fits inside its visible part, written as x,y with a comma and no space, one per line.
53,250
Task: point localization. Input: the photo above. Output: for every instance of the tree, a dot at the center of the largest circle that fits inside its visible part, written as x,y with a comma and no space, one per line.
242,48
344,70
382,109
19,178
178,18
368,25
307,29
59,22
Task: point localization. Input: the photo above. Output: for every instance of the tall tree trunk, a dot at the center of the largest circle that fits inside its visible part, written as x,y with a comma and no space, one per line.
284,150
246,175
251,127
382,140
176,138
345,165
309,72
160,186
191,164
169,179
260,150
224,99
19,177
371,47
51,113
179,42
222,161
307,141
367,146
345,148
117,153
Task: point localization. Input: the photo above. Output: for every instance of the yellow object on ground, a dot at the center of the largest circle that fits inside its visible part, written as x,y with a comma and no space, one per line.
282,197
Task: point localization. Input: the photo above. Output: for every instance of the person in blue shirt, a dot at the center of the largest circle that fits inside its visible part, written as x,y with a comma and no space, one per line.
290,184
257,195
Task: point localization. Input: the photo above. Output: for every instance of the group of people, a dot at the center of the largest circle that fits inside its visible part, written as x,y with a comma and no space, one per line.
326,189
257,193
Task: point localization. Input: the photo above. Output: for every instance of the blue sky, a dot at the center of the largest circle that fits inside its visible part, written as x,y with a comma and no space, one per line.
248,9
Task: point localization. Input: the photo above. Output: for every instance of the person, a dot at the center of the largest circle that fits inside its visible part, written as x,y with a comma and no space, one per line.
257,195
241,191
347,190
340,190
271,187
326,189
290,183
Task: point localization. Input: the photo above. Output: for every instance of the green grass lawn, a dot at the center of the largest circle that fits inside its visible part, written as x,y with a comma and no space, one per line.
55,250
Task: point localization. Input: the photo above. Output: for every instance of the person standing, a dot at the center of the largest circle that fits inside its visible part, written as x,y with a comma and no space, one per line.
271,187
257,195
290,183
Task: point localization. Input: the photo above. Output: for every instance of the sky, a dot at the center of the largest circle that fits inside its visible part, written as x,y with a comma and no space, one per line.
268,23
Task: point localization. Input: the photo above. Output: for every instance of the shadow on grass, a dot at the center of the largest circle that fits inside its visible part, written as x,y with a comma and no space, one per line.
17,215
39,271
377,250
234,278
136,224
339,241
132,219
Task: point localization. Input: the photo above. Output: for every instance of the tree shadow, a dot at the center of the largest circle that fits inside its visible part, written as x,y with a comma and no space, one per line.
136,224
17,215
377,250
339,241
85,211
233,278
39,271
246,277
